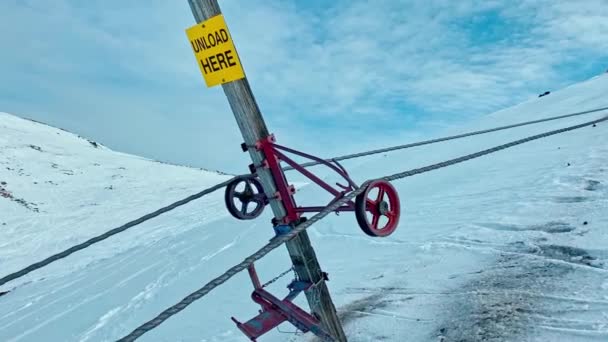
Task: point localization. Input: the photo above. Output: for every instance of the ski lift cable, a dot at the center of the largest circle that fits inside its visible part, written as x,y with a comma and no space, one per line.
277,241
104,236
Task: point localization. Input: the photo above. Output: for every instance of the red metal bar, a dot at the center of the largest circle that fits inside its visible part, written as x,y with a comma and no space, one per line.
318,209
301,319
341,171
308,174
260,324
273,160
281,183
254,277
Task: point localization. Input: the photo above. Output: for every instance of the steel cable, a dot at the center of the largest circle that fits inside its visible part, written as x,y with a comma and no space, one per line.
279,240
453,137
109,233
147,217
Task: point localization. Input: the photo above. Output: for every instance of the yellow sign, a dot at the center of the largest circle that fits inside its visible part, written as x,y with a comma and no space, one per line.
215,52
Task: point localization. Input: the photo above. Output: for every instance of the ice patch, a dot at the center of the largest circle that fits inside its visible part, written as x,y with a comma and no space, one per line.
103,320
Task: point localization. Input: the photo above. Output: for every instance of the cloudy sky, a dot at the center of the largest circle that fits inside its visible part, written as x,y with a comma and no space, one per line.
331,77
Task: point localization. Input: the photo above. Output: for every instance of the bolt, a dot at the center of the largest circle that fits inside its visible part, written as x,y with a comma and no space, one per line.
383,207
585,223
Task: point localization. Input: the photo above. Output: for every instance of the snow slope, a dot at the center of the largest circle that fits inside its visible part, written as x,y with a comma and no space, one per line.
508,247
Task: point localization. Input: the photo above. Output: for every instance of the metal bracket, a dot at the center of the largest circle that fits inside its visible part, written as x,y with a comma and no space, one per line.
253,169
282,229
275,311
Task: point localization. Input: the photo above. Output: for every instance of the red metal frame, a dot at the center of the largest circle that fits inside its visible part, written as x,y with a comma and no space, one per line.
274,157
275,311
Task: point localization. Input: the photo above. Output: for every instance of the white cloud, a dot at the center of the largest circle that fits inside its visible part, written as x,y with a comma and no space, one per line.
371,52
356,67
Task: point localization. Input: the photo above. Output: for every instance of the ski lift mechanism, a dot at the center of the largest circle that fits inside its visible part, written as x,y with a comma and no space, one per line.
380,199
252,201
276,311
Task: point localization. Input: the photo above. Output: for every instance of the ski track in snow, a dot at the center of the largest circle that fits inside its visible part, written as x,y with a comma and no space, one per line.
509,247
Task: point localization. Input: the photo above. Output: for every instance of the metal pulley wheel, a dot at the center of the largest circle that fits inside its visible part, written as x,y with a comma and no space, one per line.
245,198
378,209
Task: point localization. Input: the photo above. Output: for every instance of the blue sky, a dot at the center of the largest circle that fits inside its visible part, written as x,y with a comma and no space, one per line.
331,77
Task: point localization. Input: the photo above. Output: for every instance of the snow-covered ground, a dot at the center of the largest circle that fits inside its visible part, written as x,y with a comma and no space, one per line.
509,247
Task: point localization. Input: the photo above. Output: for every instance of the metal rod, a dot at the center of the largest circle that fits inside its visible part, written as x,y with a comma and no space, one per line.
308,174
340,171
254,277
319,209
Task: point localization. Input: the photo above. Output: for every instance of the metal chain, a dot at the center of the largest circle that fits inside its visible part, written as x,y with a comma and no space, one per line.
270,282
279,240
145,218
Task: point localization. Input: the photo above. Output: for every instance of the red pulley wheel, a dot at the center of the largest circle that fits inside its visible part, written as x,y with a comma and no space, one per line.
377,209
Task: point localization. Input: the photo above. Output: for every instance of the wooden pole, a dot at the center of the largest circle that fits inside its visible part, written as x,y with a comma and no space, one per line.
252,126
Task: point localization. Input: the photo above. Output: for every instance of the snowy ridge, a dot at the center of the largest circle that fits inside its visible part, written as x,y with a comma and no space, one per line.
509,247
54,179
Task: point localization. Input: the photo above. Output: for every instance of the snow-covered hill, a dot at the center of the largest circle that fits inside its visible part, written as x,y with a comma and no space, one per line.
59,189
508,247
